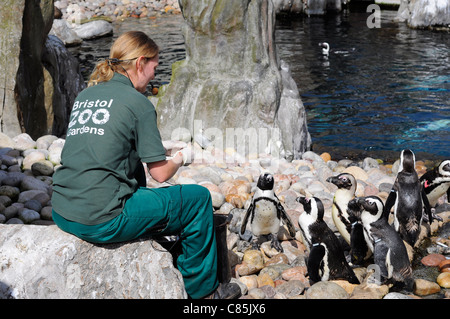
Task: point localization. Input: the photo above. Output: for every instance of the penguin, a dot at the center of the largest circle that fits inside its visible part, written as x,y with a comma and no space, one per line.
435,183
388,248
266,213
346,184
326,259
325,48
406,197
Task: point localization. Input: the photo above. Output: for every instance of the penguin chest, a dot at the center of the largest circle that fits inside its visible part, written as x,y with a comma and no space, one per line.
265,218
339,213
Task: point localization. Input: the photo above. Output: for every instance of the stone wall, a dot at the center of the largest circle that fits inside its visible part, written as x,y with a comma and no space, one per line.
44,262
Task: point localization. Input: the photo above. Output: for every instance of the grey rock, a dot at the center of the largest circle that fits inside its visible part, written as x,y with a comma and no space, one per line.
397,295
94,29
28,215
10,191
45,262
31,183
326,290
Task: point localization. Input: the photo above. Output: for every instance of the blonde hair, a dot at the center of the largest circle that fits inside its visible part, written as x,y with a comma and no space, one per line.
128,47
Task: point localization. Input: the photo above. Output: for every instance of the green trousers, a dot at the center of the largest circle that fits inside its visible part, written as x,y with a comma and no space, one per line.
184,210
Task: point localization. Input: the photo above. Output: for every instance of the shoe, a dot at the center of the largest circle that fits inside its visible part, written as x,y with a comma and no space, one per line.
226,291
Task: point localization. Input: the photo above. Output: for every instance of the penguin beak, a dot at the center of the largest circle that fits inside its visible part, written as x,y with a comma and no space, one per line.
302,200
333,179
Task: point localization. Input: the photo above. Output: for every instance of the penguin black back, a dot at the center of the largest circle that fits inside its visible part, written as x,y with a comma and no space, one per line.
326,259
389,251
406,197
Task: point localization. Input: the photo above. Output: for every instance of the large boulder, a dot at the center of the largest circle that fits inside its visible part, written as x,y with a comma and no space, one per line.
231,81
425,13
45,262
10,36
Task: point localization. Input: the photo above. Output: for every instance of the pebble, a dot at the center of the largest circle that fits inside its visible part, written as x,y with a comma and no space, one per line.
444,280
433,260
424,287
326,290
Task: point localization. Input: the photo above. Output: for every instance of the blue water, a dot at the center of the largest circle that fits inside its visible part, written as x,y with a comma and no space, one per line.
379,90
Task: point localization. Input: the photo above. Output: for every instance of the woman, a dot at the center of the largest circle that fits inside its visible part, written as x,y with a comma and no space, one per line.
97,195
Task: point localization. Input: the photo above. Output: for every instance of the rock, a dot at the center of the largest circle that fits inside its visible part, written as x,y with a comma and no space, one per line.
28,215
424,287
63,31
291,288
6,141
254,259
10,212
31,183
44,262
94,29
10,191
264,279
326,290
23,142
444,280
257,293
30,194
42,168
32,158
369,291
424,13
294,273
444,266
13,179
33,205
46,213
397,295
250,281
432,260
357,172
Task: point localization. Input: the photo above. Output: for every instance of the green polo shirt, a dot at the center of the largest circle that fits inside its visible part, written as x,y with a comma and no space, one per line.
112,129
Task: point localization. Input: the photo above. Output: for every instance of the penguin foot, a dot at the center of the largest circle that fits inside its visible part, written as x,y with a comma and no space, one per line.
436,217
275,243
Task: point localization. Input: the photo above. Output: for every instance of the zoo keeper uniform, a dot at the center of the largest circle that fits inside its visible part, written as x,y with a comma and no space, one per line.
97,194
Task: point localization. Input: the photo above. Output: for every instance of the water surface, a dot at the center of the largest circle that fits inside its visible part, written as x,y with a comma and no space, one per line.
379,90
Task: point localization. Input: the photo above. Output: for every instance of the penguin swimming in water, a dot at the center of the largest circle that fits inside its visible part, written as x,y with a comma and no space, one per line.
435,183
326,259
346,184
406,197
266,212
388,248
325,48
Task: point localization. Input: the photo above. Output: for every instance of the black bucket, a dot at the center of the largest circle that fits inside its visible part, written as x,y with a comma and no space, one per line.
223,266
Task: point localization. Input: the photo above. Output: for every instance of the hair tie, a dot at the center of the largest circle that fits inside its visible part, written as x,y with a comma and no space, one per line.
113,61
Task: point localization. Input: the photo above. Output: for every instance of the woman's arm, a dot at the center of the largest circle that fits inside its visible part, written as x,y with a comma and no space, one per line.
164,170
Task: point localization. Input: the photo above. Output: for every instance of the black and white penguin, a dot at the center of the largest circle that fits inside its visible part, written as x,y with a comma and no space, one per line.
326,260
435,183
406,198
388,248
266,213
346,184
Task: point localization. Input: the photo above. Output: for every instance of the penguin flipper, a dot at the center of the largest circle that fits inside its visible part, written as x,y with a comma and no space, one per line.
358,245
390,201
426,206
286,219
247,215
314,260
